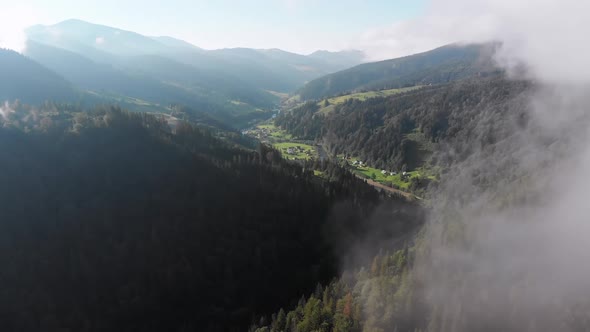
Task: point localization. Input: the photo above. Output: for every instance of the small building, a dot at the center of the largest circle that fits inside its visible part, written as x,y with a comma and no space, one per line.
383,172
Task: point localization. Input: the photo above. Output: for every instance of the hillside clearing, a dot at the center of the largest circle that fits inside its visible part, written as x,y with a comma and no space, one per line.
296,151
394,178
327,105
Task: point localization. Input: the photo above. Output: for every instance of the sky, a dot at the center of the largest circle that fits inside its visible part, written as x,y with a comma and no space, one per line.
301,26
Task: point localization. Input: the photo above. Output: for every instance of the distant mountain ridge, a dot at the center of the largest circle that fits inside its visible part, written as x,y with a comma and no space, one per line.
71,33
31,81
236,85
341,58
441,65
286,71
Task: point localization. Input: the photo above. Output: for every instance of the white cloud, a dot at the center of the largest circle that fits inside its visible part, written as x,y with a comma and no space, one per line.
526,28
99,40
422,34
531,256
5,111
13,21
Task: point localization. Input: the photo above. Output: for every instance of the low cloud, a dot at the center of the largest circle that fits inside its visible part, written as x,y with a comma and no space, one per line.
513,254
5,111
418,35
546,34
13,21
523,266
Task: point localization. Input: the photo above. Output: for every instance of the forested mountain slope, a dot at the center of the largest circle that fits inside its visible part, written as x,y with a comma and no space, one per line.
383,295
110,221
498,229
390,132
236,86
30,81
154,82
441,65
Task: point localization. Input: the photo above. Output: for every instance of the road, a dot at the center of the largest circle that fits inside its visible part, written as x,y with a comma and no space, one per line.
388,189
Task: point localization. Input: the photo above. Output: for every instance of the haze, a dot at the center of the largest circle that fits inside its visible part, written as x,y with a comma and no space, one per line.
201,166
301,26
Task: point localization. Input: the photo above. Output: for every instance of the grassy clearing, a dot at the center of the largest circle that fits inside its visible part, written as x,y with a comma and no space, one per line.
124,99
418,149
399,180
318,173
360,96
281,95
268,132
296,151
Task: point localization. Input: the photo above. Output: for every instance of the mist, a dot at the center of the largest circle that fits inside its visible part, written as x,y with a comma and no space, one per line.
514,255
510,253
14,19
5,111
548,34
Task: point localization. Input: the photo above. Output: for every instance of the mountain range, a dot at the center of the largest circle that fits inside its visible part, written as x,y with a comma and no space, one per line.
441,65
97,64
397,195
111,65
26,79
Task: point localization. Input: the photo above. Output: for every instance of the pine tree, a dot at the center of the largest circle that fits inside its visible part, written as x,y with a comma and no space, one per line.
280,322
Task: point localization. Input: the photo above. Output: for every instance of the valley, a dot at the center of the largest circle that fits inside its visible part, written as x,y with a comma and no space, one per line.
149,184
397,182
238,86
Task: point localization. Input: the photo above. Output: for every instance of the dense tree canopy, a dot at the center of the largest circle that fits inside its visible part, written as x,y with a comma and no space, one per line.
442,65
389,132
111,221
27,80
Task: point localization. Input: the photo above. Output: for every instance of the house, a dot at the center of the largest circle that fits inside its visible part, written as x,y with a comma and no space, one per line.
405,173
392,173
290,151
383,172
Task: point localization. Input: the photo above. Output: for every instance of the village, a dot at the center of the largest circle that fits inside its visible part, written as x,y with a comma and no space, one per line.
291,149
399,179
261,133
388,179
268,133
359,164
296,150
